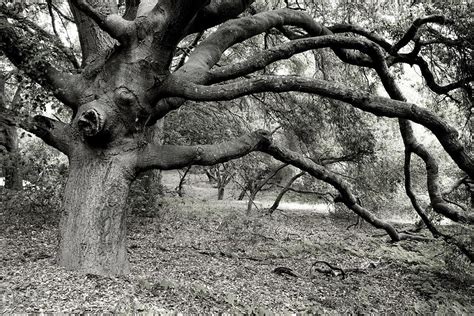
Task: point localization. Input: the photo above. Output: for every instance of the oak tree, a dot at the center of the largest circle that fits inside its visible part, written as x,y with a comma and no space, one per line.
127,81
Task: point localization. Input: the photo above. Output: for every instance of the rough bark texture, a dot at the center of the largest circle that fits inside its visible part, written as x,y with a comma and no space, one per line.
93,40
93,225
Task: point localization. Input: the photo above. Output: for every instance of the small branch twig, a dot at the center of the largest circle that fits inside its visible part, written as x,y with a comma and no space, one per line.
332,268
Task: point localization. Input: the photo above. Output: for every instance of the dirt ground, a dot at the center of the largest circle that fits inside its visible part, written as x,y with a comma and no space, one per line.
200,256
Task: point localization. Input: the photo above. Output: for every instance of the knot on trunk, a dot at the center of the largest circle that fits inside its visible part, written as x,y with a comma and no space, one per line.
90,123
125,97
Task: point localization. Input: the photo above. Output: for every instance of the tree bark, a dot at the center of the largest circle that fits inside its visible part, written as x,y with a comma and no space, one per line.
93,225
152,184
470,190
182,180
224,176
11,165
9,143
283,191
93,40
242,194
261,185
220,193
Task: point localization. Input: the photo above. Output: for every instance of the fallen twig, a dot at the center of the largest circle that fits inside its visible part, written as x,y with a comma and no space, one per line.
284,270
332,271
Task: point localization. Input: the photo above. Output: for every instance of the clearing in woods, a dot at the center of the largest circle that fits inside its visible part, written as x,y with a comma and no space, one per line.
198,255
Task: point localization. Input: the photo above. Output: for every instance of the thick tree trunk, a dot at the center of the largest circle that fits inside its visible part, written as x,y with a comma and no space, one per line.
153,187
93,225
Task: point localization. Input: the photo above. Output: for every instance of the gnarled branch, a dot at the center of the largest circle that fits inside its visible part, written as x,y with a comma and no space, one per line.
216,12
324,174
22,52
284,51
208,53
413,29
344,28
411,58
178,14
412,144
428,74
113,24
54,133
167,157
380,106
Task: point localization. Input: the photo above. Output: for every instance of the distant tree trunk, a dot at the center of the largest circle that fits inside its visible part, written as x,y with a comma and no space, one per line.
470,189
220,193
210,177
219,176
223,179
9,143
93,225
182,179
152,185
249,185
283,191
11,165
261,185
243,192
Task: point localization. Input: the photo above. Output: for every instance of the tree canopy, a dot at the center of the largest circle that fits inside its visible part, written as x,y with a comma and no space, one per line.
139,61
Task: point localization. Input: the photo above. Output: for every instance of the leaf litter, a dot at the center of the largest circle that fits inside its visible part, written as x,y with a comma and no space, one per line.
199,257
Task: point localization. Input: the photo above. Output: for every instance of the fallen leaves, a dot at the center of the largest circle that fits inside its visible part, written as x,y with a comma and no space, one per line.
198,258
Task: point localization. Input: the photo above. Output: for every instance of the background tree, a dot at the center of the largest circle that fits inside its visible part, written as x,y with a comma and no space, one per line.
9,150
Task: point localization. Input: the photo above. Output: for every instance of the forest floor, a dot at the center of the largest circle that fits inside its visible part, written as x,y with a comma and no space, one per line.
201,256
